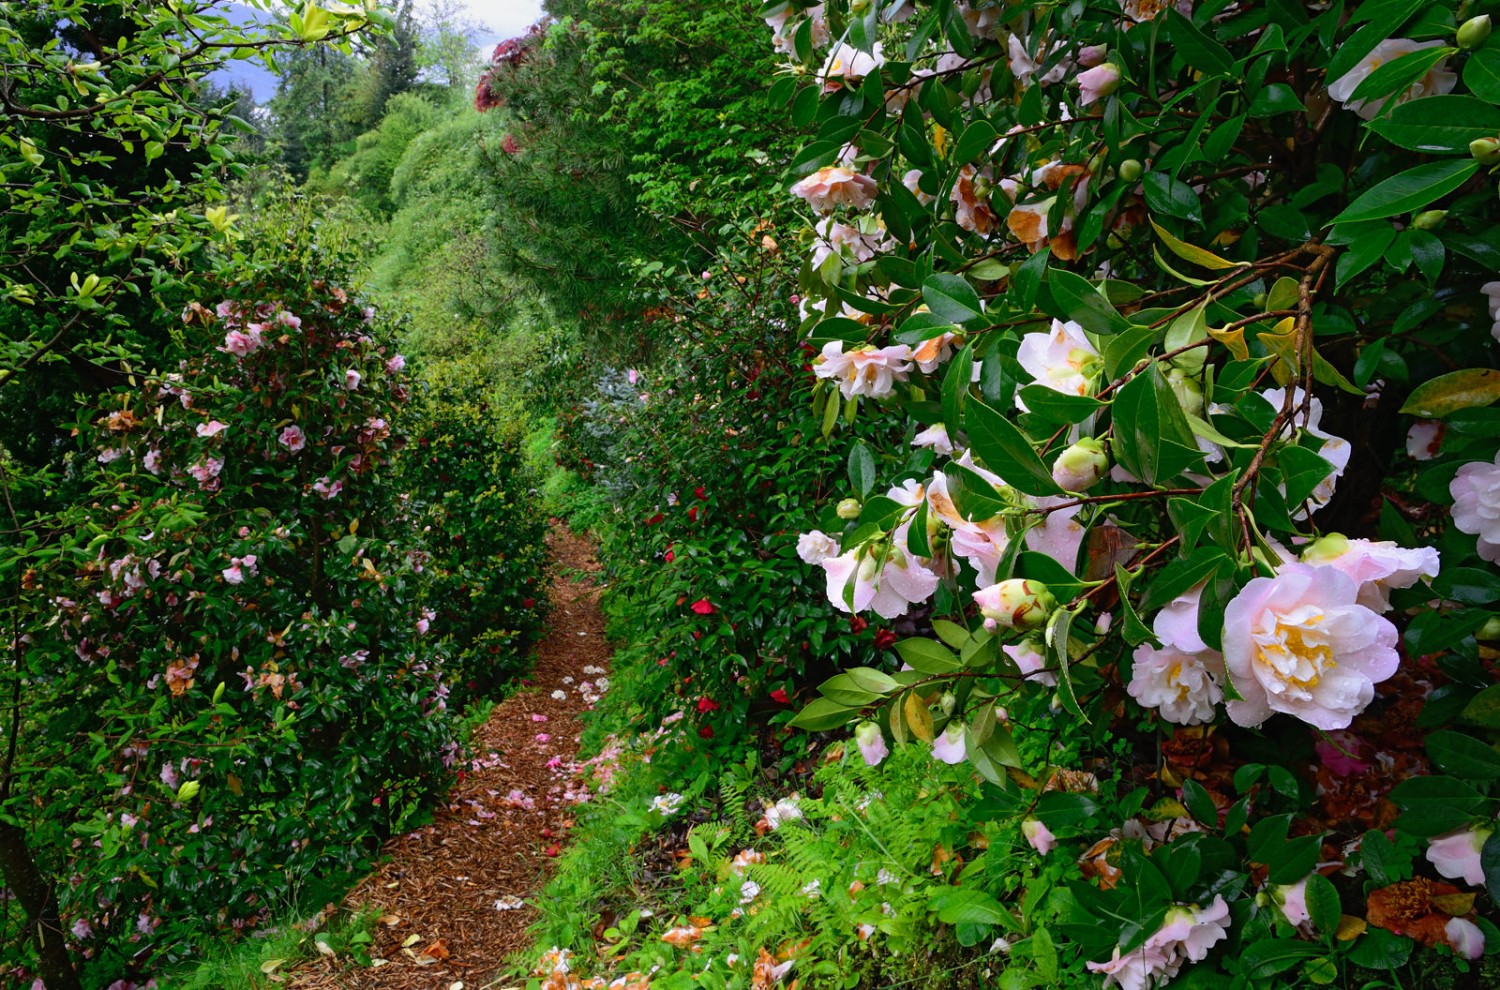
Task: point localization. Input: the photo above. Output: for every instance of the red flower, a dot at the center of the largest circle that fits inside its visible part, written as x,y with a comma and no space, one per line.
653,520
703,606
780,697
670,555
553,850
857,624
662,662
693,513
528,603
706,705
701,493
707,732
885,639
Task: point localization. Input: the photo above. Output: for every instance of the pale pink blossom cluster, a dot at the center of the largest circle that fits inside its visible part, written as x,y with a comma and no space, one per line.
866,370
1186,936
1183,679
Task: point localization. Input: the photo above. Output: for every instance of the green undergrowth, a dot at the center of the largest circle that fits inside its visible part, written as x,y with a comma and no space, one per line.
260,961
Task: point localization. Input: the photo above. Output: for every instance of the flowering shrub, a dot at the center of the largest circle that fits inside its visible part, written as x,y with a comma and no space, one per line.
233,646
1151,294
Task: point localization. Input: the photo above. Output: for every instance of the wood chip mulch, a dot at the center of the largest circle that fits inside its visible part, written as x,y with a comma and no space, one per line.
445,892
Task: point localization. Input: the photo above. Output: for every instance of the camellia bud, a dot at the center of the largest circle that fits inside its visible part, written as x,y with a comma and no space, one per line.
871,743
219,693
1326,549
1016,604
1485,150
1429,219
1080,467
1490,631
1474,31
1189,393
849,508
948,702
1131,169
188,791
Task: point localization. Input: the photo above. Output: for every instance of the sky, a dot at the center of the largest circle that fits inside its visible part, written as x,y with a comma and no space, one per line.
500,19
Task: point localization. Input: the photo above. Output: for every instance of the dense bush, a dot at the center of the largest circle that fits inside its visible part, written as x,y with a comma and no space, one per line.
234,663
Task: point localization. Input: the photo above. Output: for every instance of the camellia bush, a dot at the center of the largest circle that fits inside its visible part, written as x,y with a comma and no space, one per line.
1185,315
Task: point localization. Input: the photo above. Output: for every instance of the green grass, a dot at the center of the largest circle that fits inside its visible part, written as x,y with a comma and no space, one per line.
258,962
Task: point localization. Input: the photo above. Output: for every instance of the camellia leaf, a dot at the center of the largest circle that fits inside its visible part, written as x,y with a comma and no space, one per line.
1188,252
1409,191
1456,390
1075,298
952,298
1006,451
1482,74
1439,124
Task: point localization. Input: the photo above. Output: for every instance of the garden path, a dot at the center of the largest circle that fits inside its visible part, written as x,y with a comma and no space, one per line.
444,892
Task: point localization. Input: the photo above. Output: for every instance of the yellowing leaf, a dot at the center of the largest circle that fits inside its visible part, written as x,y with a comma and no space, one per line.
271,965
1196,255
1234,340
411,940
1467,389
918,718
1350,928
1457,905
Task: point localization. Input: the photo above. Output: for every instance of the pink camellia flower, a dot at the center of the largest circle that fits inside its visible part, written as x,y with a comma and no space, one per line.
1031,661
327,488
233,574
293,439
1438,80
1039,835
152,461
866,370
836,186
1466,937
1456,855
936,437
1345,753
212,428
288,320
1378,566
82,930
1092,55
239,343
949,746
871,743
1300,643
395,364
1192,931
352,379
1024,67
1425,437
890,590
206,471
703,607
1139,969
1096,83
1476,505
1185,688
1292,899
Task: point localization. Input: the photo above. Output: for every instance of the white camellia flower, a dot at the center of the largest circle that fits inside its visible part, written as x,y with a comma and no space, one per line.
1491,291
890,590
1062,360
1438,80
1183,680
1476,505
846,66
936,437
816,547
1377,565
1300,643
866,370
1335,450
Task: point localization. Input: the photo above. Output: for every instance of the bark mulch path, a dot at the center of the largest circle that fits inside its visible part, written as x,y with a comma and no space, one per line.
445,892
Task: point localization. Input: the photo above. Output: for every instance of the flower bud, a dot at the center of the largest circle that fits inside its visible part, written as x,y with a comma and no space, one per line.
219,693
1131,169
1096,83
1474,31
1429,219
849,508
1018,603
1189,393
1092,55
1080,467
1485,150
871,743
948,702
1490,631
1326,549
188,791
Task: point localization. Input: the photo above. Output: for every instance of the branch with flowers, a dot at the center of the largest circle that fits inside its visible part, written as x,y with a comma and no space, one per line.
1155,291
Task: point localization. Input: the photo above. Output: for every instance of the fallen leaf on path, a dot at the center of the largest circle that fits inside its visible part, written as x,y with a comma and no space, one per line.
411,940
